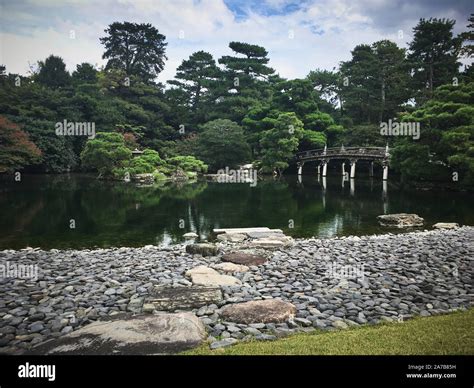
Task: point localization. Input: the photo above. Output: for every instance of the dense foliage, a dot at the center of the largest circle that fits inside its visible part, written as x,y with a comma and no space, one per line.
236,109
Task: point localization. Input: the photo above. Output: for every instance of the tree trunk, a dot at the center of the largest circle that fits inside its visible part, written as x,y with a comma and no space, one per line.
382,92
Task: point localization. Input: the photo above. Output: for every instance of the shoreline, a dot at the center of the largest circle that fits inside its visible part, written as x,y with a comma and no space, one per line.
393,232
333,283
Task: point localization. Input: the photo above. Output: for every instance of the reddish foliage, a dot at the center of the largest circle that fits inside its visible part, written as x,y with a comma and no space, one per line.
130,140
16,149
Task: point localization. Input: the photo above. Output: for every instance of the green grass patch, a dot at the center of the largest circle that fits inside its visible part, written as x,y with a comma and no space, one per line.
439,335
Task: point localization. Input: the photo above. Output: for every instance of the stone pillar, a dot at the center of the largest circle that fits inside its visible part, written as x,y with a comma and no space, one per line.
324,183
325,167
385,171
300,168
371,169
343,168
353,168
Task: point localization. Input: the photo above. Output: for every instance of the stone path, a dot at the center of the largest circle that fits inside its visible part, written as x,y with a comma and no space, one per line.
208,277
332,283
255,237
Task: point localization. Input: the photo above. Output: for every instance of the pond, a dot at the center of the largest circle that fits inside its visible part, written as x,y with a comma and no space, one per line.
79,211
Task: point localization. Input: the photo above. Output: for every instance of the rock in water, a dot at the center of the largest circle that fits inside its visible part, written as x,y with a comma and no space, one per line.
259,311
401,220
152,334
190,235
203,249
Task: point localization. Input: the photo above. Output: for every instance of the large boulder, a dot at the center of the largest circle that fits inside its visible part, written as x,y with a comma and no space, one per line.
446,225
162,333
208,277
182,298
401,220
259,311
204,249
244,258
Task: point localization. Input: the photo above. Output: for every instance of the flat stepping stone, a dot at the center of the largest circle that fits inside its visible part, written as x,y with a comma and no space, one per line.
446,225
271,242
183,298
231,267
244,258
259,311
203,249
231,237
266,234
162,333
208,277
241,230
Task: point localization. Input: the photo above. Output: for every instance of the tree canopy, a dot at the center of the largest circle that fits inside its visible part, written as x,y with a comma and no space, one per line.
237,109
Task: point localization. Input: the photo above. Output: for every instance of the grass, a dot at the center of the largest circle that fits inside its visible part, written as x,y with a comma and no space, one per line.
451,334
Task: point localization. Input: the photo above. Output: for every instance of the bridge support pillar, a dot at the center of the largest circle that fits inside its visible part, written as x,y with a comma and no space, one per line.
319,169
325,168
371,169
300,168
353,168
343,168
385,171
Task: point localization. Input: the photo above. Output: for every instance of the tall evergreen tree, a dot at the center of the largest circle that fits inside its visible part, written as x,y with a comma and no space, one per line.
468,38
52,72
433,55
138,49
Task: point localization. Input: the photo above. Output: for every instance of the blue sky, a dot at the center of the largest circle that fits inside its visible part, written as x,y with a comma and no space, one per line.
299,35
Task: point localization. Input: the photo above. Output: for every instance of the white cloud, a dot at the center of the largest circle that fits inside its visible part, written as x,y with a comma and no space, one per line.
209,25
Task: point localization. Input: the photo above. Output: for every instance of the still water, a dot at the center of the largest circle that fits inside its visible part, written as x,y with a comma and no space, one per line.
40,210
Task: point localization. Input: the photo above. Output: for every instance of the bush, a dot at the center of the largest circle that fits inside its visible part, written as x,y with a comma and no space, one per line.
148,162
187,164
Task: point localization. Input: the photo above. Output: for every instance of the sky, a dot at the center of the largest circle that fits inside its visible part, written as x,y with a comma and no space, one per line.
300,36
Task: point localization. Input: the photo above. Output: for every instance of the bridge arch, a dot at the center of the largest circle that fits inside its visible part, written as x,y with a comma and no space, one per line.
352,154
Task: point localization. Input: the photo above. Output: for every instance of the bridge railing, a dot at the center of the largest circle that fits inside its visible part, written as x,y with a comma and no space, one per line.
371,152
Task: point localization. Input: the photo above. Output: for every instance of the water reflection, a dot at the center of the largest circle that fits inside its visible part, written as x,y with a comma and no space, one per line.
37,211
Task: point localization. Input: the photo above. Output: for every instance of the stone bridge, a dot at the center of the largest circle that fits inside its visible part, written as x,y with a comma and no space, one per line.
324,155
